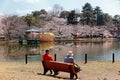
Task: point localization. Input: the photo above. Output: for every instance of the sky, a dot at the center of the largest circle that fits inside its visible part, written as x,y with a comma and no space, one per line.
23,7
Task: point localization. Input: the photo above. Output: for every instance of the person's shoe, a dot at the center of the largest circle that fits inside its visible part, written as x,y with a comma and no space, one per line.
56,73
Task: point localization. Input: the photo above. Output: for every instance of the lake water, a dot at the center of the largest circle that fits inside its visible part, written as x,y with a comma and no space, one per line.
97,51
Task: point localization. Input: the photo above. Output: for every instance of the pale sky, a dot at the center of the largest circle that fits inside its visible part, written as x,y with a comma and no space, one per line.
22,7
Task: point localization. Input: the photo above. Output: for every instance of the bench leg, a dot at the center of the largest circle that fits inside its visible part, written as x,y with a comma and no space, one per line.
71,76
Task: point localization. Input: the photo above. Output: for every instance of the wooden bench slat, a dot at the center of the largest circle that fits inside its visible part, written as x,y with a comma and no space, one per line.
57,66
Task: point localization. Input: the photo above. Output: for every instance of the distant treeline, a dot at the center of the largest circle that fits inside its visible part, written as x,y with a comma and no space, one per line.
15,26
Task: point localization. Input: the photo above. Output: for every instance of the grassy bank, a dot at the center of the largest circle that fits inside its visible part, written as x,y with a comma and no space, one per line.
33,71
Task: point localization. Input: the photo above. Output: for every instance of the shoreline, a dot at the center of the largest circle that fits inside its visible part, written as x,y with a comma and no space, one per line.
65,40
93,70
88,39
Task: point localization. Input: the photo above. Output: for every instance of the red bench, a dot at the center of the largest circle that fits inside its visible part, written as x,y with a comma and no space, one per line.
60,66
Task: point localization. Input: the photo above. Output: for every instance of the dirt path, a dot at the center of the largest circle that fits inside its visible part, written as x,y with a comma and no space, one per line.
33,71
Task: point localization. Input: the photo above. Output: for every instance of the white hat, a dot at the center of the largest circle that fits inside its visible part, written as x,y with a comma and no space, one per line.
70,52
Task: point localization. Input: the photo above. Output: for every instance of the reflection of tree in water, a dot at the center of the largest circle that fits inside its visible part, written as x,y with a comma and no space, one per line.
95,47
107,45
2,52
14,50
116,45
46,45
19,51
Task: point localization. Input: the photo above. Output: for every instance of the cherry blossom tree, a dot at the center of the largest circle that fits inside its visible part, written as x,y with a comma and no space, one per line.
14,27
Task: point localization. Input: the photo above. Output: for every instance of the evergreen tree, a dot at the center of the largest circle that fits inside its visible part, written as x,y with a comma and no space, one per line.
38,13
30,20
100,20
116,21
87,15
97,15
72,19
64,14
107,19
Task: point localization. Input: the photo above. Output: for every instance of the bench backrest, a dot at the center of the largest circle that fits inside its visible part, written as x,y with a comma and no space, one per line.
60,66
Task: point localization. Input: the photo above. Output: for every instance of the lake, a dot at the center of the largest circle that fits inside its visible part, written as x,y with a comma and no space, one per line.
96,51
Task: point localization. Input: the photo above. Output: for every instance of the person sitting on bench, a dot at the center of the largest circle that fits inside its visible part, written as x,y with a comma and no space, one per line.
70,59
48,57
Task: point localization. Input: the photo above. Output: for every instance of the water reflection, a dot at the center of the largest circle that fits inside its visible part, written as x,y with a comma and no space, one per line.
9,52
46,45
95,50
